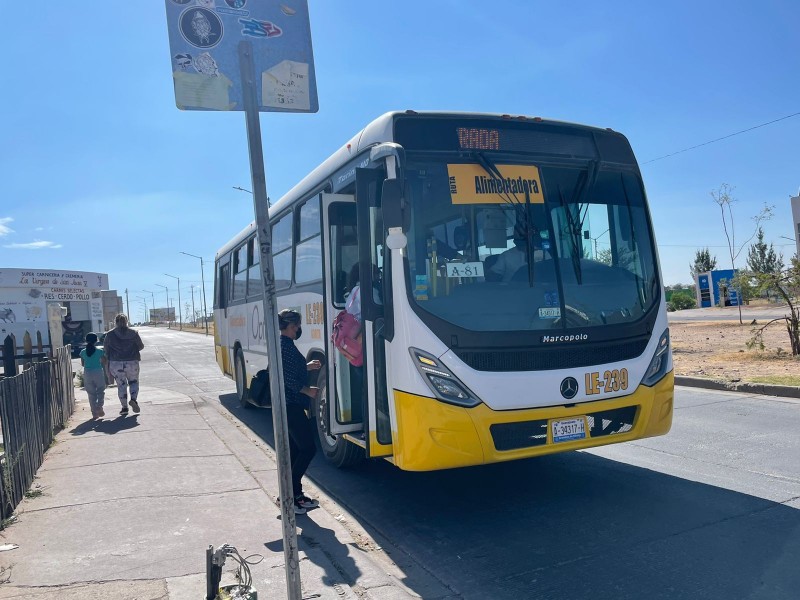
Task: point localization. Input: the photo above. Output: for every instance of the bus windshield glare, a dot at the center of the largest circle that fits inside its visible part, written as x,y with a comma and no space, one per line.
515,246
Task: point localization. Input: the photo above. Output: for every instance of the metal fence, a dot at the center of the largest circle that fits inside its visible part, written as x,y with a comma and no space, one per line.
34,405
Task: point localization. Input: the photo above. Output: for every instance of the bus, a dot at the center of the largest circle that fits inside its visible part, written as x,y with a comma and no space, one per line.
516,304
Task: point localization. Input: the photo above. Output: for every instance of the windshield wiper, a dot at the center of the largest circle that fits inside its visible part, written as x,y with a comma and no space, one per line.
512,200
488,165
582,188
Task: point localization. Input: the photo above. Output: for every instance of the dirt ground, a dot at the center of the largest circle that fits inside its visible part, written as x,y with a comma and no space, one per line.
718,350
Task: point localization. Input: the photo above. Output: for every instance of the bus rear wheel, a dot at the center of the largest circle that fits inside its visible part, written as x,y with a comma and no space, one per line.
337,450
240,375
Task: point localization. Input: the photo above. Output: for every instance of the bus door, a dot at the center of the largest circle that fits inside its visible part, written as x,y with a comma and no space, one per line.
374,280
344,410
358,394
221,341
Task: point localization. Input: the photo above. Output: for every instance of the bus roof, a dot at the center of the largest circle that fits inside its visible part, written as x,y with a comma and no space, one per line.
376,132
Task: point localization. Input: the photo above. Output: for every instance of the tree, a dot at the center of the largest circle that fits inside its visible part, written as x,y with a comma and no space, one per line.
681,301
723,197
703,262
605,256
763,259
786,284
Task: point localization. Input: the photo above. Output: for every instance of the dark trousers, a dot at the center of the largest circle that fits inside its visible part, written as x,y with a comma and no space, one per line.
301,444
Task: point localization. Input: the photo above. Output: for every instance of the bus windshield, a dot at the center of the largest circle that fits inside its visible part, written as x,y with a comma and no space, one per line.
511,246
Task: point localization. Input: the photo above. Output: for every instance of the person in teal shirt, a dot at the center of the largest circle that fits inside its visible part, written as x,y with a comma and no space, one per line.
93,360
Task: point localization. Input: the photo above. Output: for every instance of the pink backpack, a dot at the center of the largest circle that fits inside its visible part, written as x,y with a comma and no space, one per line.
346,330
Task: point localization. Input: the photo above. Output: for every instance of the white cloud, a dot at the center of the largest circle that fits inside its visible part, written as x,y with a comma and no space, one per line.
4,228
37,245
39,229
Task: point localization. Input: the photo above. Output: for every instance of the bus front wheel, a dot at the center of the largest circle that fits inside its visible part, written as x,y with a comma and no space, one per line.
240,375
337,450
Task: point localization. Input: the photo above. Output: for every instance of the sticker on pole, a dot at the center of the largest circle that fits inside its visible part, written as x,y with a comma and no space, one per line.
204,38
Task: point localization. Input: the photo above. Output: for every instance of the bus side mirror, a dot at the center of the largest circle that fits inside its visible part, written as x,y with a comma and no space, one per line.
393,204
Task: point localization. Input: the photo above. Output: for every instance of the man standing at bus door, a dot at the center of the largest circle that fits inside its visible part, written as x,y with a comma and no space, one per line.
298,400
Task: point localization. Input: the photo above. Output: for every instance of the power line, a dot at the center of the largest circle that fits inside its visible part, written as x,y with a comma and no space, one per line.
708,246
725,137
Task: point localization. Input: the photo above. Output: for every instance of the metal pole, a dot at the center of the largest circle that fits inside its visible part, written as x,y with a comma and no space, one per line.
154,302
180,310
270,312
127,303
194,314
203,283
166,292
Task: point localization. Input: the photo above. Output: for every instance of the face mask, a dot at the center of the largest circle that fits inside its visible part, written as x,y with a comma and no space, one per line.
299,333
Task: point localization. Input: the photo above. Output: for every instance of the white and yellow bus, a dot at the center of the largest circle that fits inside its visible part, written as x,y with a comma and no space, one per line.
516,308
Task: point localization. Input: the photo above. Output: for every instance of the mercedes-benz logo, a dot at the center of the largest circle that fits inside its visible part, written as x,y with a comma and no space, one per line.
569,388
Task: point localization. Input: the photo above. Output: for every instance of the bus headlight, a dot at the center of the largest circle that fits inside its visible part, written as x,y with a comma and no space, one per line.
444,385
658,365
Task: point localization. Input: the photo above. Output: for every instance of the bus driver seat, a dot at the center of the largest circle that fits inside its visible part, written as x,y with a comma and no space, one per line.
488,263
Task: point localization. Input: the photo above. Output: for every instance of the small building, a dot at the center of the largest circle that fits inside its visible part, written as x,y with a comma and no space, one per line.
52,307
112,306
714,288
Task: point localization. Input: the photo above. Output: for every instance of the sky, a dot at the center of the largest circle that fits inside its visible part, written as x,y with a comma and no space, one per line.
99,171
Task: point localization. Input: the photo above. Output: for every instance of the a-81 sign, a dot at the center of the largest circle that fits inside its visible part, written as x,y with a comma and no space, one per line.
204,36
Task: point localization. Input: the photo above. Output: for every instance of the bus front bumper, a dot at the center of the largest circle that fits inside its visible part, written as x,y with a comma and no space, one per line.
432,435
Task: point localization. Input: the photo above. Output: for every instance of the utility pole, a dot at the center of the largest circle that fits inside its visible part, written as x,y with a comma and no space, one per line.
127,304
152,318
180,311
194,314
166,293
203,282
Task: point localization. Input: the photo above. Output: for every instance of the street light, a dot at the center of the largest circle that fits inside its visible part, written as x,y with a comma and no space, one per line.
180,313
143,299
166,293
203,281
154,301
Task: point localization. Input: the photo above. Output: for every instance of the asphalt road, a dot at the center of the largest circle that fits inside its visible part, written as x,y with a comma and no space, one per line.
710,511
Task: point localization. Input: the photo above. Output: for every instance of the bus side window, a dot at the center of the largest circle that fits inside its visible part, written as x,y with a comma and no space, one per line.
239,273
308,257
254,285
282,251
223,283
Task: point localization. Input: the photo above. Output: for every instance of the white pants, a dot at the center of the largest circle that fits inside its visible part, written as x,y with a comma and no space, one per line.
125,373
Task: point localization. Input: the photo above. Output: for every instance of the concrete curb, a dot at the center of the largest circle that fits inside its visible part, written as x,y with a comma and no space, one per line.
766,389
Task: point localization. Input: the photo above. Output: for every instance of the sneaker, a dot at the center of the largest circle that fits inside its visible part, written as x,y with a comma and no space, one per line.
298,508
305,502
124,412
134,405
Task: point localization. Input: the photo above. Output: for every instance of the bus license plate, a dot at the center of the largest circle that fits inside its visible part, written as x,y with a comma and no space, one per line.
568,430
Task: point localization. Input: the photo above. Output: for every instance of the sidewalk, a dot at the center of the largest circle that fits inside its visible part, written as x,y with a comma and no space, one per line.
130,504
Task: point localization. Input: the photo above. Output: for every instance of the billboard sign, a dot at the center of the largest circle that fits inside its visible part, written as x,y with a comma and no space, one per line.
53,281
160,315
204,38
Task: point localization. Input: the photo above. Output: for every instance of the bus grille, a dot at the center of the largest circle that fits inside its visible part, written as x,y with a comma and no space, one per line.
529,434
546,359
